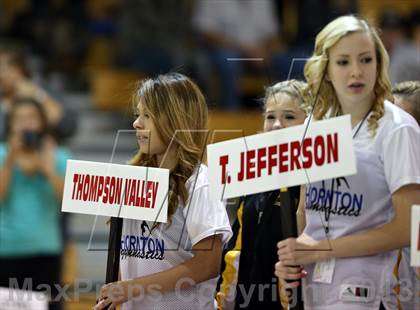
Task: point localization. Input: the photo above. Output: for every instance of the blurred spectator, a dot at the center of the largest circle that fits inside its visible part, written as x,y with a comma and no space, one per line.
152,35
407,97
237,29
32,171
312,17
15,82
301,32
251,29
415,26
403,51
55,30
102,29
392,26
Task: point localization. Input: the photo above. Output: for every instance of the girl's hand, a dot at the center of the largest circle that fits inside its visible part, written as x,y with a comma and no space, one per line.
114,294
288,273
301,251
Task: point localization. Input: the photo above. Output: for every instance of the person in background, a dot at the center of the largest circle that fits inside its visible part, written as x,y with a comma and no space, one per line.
236,29
32,170
15,82
400,36
407,97
252,251
160,42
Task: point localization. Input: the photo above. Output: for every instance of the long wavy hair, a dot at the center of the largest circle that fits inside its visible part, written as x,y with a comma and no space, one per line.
179,112
317,65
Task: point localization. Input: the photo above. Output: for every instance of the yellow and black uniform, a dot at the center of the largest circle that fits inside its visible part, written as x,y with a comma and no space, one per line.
248,280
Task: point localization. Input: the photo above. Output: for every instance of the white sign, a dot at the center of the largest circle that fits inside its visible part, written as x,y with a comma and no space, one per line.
11,299
415,236
116,190
280,158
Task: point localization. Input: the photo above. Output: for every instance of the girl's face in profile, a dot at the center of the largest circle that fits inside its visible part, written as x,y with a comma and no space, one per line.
148,137
282,111
352,69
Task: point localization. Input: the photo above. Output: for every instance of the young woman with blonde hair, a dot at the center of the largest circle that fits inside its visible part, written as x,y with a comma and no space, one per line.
351,226
174,265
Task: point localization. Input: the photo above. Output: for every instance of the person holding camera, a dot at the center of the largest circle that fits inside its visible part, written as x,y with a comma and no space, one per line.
32,172
16,82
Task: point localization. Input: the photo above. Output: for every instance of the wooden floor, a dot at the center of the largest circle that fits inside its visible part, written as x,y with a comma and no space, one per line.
86,301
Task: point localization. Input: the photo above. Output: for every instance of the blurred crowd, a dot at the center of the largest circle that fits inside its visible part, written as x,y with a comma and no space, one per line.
216,42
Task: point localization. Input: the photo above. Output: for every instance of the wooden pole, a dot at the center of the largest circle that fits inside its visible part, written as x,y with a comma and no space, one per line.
289,230
114,247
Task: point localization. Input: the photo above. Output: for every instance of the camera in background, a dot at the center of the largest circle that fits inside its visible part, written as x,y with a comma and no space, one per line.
32,139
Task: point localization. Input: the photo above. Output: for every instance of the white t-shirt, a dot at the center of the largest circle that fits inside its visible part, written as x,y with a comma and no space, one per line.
385,163
144,253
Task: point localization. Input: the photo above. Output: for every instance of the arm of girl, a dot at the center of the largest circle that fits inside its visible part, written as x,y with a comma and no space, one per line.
393,235
203,266
15,144
5,175
47,166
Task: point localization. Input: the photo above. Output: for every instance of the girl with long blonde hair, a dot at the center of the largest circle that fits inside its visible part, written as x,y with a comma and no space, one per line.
173,265
351,226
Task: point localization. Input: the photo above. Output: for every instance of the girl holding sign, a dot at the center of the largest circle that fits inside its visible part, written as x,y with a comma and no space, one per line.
173,265
252,251
352,225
